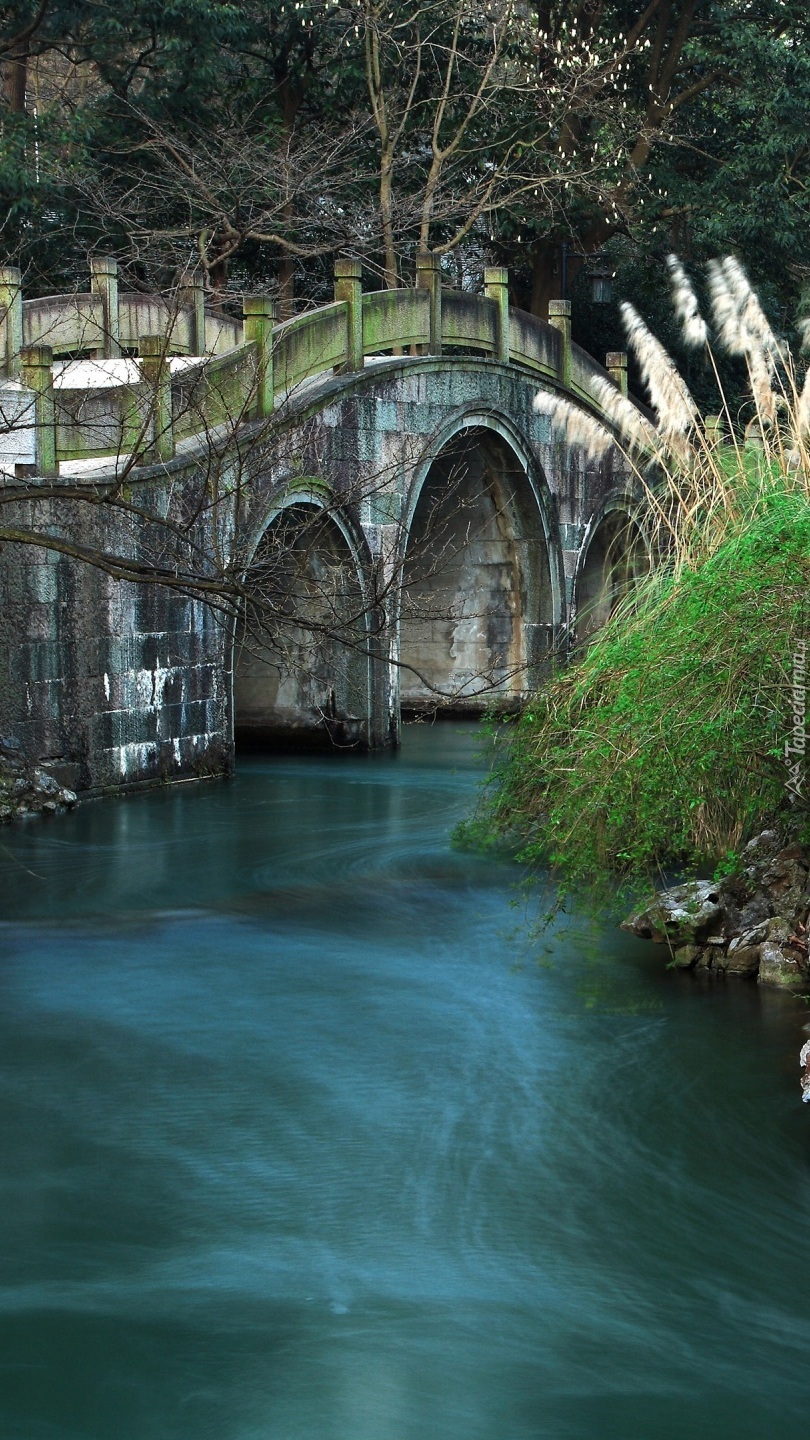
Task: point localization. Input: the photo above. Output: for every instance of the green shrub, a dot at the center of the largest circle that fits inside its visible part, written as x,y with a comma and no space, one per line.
663,746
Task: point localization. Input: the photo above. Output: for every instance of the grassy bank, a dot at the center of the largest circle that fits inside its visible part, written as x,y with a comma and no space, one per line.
663,746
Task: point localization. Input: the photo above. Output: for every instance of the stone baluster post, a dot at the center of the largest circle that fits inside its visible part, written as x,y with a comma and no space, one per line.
36,373
158,376
616,366
259,315
559,316
11,318
349,287
496,287
104,282
429,277
194,296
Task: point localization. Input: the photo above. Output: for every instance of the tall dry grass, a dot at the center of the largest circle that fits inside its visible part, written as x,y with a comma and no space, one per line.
703,475
663,744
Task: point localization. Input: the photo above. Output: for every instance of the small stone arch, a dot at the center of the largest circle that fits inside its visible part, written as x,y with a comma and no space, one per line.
481,599
302,647
615,551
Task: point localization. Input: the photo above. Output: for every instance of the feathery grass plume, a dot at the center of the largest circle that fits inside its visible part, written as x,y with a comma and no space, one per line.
695,653
742,325
753,338
685,301
725,310
759,377
577,425
755,326
801,417
636,433
676,410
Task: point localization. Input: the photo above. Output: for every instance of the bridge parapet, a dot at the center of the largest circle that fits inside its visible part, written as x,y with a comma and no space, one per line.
399,503
220,371
104,323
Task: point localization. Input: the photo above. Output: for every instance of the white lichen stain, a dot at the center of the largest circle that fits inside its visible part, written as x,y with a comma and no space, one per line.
150,684
144,686
133,760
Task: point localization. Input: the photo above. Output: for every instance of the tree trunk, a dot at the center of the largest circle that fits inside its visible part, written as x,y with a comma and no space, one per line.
217,279
554,271
286,287
391,271
547,279
15,80
291,94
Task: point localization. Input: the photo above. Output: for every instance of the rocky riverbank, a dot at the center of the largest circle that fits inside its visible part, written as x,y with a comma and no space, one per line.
28,789
752,924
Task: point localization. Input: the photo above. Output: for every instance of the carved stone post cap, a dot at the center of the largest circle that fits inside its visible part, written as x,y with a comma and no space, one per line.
151,347
265,305
616,360
427,260
348,269
103,265
496,275
10,275
559,307
37,357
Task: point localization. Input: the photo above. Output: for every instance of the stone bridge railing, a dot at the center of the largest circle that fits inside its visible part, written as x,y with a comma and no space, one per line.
162,374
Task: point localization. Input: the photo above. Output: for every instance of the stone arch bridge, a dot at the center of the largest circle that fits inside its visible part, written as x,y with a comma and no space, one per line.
391,479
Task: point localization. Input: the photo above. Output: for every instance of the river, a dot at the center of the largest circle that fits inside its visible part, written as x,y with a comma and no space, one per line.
303,1139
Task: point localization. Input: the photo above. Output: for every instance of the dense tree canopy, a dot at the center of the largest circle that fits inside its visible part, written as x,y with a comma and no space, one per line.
254,140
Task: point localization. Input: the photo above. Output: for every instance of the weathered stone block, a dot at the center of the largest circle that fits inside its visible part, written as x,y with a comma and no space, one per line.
777,966
383,509
742,959
686,957
387,416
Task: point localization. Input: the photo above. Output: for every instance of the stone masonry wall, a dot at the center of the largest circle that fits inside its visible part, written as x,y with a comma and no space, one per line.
104,683
108,685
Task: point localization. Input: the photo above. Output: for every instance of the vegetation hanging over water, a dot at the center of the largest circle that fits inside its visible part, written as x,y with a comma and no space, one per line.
664,744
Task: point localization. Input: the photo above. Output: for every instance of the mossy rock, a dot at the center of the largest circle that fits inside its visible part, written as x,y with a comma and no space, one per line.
683,915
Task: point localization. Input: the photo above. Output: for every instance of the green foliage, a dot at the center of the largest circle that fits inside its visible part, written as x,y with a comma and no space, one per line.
112,94
663,746
737,178
167,132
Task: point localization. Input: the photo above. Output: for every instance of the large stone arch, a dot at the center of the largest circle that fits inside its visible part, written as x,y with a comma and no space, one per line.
615,550
482,593
302,661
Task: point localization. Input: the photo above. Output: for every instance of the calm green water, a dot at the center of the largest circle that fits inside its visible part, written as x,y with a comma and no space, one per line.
293,1150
